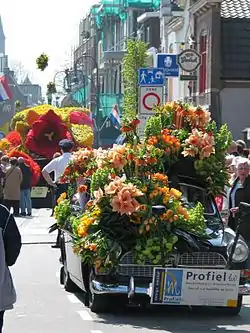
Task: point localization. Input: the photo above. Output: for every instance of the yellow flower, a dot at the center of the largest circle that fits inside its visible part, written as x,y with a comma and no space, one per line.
175,193
166,198
4,144
82,134
63,113
22,128
62,197
154,194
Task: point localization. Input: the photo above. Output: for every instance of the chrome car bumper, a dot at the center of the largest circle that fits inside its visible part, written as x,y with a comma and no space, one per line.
131,290
244,289
119,289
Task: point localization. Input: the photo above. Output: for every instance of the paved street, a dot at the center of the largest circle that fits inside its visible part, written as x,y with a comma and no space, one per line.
44,307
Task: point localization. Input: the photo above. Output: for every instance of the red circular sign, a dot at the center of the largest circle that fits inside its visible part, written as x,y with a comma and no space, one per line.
150,94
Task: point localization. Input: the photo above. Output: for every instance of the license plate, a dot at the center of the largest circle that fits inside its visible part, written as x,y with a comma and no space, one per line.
200,287
39,192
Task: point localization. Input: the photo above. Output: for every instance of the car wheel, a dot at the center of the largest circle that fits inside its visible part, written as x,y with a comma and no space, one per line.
232,312
68,284
98,303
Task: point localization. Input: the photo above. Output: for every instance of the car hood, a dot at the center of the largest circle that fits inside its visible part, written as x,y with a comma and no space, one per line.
219,236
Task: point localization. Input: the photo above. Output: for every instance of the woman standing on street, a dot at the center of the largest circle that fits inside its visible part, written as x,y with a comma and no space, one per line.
26,185
240,192
10,246
12,191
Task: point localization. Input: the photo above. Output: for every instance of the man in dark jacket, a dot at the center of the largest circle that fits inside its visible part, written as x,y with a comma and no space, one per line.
26,185
12,243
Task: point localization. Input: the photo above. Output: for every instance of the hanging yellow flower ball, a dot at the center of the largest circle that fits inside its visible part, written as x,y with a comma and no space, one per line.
83,135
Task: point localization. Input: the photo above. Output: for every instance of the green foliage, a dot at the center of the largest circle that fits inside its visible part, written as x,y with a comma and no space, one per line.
196,222
62,212
150,249
99,179
72,190
153,127
133,60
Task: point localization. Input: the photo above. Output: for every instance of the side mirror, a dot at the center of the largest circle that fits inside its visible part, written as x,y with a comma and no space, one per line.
158,210
244,209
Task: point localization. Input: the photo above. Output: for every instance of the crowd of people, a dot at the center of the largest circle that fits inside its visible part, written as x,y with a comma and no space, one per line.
238,189
15,185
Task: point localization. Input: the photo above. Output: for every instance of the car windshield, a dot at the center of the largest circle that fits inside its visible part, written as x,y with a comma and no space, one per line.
191,195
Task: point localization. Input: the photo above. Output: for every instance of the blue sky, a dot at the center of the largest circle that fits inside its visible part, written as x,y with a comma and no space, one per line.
49,26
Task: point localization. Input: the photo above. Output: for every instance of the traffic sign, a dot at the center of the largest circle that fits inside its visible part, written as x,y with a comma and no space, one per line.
141,127
169,63
189,60
151,76
149,98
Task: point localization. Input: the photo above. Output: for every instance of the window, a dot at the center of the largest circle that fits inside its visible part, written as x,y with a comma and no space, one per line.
203,67
191,195
147,34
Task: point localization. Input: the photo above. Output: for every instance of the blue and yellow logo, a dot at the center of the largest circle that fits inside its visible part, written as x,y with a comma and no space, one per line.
173,280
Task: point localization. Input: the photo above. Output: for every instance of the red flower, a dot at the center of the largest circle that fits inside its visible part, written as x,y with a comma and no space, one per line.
135,122
80,118
34,167
45,134
14,138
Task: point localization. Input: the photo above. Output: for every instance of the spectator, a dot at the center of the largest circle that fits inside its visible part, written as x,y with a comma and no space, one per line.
12,185
5,162
2,182
233,149
246,152
26,185
240,147
241,143
240,150
58,165
10,246
240,192
53,192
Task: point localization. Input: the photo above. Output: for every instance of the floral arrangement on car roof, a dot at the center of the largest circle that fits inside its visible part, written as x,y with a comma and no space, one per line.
129,180
202,145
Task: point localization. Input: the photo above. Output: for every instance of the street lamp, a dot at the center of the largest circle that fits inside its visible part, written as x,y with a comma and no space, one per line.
86,56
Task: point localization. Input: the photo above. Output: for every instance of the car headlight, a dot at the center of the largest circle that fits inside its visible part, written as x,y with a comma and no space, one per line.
241,251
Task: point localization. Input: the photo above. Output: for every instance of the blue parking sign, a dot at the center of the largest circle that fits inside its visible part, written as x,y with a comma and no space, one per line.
151,77
169,63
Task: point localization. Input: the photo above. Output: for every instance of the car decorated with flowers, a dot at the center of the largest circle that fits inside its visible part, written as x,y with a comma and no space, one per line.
144,226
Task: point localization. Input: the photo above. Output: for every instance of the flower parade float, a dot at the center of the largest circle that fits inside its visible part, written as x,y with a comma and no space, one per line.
143,220
35,134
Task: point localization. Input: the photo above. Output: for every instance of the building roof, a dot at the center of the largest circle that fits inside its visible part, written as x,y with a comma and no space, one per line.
27,80
235,9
